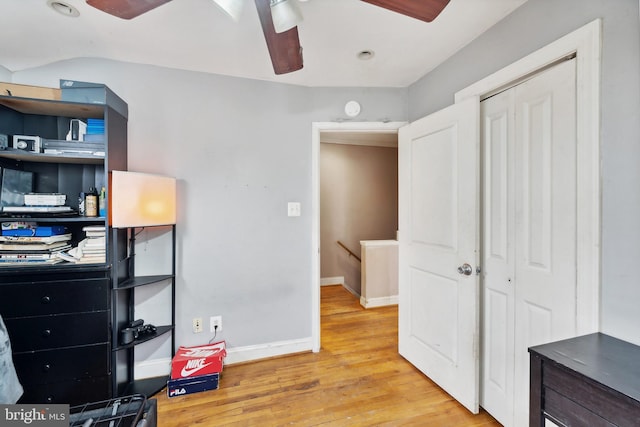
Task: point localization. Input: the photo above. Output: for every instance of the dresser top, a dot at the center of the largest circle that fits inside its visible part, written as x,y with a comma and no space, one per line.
611,362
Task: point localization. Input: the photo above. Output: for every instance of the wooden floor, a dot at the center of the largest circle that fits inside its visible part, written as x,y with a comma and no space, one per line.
357,379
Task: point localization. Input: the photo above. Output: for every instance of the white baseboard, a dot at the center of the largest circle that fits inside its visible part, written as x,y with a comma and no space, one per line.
327,281
159,367
347,287
263,351
379,302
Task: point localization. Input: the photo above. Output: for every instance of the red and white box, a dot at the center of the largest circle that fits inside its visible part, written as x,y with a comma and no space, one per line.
199,360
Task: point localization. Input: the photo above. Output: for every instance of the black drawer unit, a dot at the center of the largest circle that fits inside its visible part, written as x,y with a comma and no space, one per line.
39,299
82,390
59,326
592,380
42,367
56,331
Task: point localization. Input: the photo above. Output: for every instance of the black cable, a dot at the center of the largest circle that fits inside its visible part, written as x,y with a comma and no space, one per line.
215,332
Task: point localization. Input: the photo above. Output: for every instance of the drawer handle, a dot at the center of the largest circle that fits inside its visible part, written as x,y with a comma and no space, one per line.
45,299
46,333
46,368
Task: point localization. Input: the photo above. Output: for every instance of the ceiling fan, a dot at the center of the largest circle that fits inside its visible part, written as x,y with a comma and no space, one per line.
282,39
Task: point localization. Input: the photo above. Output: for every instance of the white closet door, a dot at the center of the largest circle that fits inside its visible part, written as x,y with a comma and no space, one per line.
529,232
545,222
498,156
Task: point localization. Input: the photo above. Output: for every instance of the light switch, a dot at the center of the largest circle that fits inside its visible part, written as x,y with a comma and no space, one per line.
293,208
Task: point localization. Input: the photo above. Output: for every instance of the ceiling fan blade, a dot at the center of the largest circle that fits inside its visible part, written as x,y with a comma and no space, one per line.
126,9
424,10
284,48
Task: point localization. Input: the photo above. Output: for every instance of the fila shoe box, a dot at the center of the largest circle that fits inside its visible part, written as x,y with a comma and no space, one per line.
184,386
196,369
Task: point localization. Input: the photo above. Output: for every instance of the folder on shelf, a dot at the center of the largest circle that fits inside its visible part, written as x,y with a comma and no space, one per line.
40,231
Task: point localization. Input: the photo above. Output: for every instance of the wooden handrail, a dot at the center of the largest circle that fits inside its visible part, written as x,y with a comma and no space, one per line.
351,253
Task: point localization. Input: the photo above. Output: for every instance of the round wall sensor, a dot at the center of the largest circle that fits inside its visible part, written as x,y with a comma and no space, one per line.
352,108
63,8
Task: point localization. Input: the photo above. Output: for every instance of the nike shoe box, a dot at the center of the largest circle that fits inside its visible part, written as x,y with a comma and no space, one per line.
199,360
184,386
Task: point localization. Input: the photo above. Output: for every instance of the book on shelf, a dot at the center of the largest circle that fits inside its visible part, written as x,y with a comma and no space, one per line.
93,259
95,126
18,225
93,228
37,231
95,235
33,247
94,231
19,256
36,239
44,199
95,241
29,262
91,251
36,209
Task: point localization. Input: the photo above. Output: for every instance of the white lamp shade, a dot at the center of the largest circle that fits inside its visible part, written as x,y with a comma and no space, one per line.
285,14
141,199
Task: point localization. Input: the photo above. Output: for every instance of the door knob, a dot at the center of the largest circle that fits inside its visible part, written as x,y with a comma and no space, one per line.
465,269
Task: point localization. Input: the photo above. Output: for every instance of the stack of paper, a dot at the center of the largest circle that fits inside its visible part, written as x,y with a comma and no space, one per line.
36,209
32,250
91,250
45,199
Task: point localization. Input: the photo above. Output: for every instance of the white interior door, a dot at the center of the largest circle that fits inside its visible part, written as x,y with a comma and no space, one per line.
529,232
438,233
498,252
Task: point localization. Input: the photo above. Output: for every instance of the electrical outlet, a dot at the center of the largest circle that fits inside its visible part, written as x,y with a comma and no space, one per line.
293,208
216,321
197,325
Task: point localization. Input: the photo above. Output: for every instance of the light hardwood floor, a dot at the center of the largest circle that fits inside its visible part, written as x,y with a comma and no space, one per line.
357,379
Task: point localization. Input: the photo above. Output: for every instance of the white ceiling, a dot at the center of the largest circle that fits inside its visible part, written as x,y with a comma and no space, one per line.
197,35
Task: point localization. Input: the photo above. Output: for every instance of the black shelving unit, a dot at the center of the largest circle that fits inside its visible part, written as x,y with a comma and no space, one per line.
59,315
65,318
124,285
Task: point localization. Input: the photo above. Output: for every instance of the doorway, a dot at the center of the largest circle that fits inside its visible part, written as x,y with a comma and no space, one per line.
349,132
358,201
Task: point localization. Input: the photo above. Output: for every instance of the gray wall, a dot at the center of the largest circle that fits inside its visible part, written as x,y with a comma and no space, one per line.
534,25
241,149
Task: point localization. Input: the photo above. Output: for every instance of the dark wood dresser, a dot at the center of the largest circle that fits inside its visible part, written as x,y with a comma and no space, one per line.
58,322
592,380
